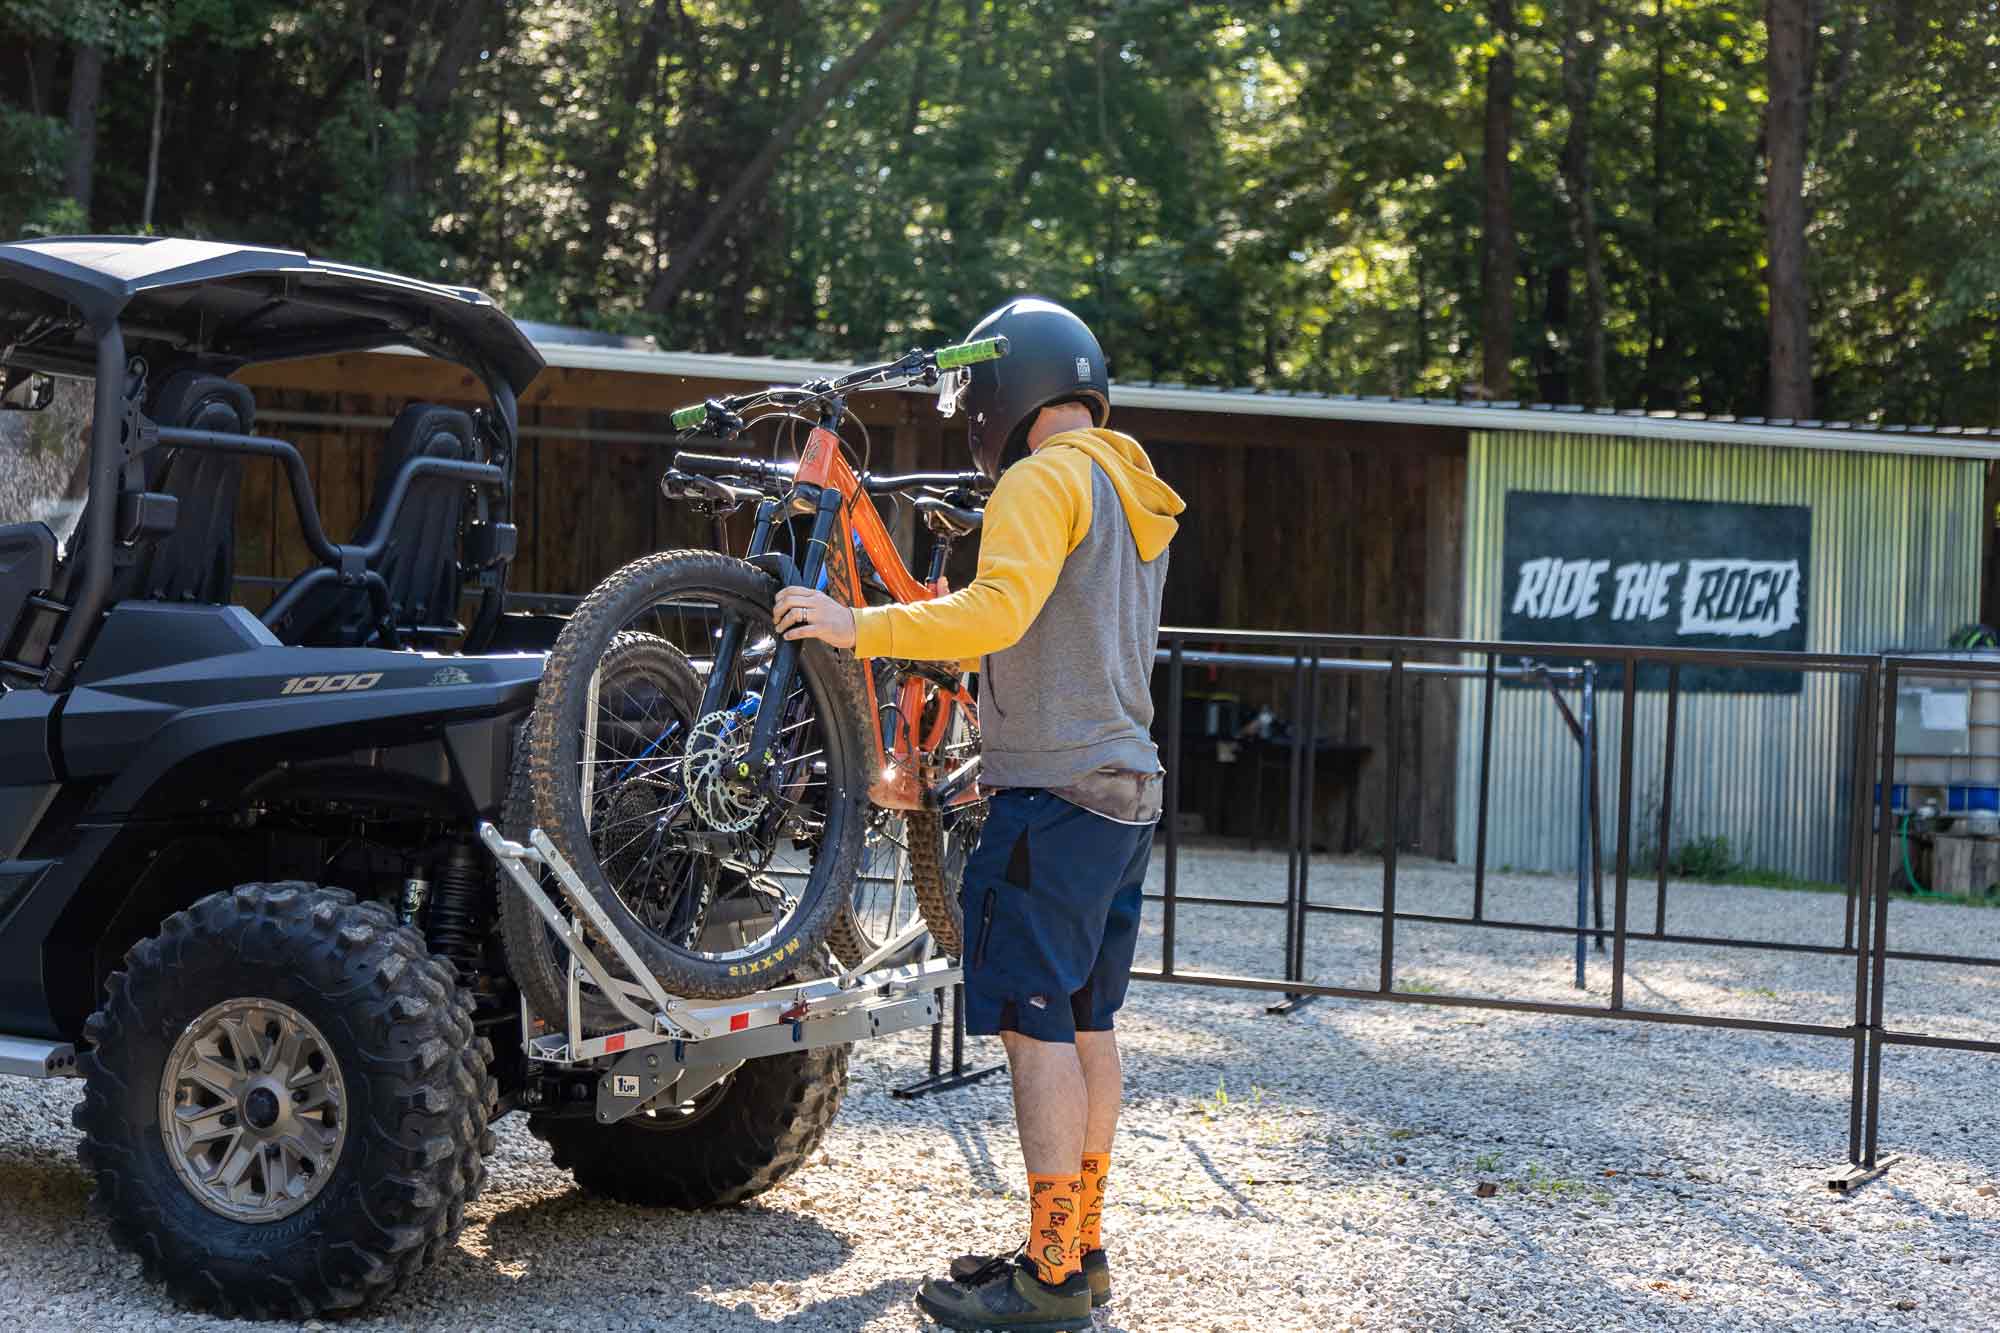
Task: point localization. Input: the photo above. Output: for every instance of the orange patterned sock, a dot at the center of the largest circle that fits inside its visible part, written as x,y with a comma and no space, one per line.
1053,1228
1095,1166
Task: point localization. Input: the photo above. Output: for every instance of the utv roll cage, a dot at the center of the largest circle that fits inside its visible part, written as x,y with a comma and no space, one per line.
160,322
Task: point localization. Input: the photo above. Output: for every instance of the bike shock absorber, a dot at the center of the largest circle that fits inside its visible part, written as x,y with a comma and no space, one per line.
458,918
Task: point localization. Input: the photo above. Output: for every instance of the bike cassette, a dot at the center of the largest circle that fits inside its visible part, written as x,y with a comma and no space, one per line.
718,775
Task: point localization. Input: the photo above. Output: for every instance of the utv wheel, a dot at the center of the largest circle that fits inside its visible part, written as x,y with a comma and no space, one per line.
734,1142
285,1104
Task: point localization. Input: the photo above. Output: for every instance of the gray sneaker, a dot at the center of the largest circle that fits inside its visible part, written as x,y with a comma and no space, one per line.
1096,1271
1006,1293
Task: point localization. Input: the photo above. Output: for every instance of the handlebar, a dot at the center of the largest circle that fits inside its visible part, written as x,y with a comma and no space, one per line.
975,482
778,476
722,416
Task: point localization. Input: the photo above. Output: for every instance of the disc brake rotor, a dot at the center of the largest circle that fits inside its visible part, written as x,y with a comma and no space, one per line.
713,773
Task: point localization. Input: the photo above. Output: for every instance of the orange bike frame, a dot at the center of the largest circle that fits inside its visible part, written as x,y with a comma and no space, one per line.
904,777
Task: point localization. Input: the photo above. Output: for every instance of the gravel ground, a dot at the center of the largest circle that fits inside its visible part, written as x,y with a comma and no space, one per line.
1318,1172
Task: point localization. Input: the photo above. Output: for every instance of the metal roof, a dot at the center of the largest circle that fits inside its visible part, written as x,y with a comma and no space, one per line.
1861,437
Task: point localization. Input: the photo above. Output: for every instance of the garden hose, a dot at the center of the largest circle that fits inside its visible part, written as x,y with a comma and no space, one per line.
1910,871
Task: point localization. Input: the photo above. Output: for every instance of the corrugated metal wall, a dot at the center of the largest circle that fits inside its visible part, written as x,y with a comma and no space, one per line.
1896,544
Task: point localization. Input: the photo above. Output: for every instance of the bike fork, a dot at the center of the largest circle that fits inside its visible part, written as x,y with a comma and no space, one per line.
730,641
784,664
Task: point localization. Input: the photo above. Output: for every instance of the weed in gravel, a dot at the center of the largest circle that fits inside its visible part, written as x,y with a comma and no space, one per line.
1417,986
1487,1161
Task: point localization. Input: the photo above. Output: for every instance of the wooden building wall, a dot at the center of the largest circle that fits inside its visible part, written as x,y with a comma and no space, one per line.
1292,525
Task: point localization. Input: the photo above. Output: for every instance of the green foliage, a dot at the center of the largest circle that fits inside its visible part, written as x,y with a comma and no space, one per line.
1284,193
32,202
1709,858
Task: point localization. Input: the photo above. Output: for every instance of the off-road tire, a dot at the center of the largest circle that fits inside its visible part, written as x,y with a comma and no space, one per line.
768,1118
937,901
419,1096
536,961
554,742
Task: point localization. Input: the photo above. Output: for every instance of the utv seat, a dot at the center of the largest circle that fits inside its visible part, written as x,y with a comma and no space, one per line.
195,561
419,560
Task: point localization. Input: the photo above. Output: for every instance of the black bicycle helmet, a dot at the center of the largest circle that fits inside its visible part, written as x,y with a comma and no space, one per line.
1052,357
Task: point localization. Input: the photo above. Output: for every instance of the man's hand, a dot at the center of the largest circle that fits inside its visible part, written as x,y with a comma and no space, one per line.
805,614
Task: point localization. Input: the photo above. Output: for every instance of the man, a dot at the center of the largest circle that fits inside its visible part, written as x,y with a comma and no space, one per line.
1064,615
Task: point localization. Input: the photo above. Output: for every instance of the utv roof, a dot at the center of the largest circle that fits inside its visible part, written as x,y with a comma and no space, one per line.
235,304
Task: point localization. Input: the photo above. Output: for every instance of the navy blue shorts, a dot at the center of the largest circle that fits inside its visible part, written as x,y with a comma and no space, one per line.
1052,896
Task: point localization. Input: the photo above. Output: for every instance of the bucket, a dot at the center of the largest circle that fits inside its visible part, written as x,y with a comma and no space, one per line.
1983,734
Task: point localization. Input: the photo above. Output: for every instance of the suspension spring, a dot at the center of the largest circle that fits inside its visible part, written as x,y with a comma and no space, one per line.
458,917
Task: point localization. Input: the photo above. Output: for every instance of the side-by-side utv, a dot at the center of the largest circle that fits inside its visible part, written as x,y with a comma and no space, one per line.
246,883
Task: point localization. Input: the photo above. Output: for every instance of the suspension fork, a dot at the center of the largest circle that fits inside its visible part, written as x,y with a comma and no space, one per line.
784,664
730,642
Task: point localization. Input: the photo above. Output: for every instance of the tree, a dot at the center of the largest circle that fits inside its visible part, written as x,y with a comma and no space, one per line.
86,76
1785,127
1499,267
1581,51
753,176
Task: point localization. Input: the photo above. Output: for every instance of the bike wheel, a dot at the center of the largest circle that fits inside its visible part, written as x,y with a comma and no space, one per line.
883,903
644,677
938,847
721,892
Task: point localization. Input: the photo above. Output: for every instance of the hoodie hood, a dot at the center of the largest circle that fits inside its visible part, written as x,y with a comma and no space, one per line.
1150,504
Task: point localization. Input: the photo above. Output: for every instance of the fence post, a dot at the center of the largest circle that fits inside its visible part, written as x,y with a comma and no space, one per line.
1586,773
1485,780
1881,895
1392,799
1667,797
1627,742
1176,705
1311,743
1868,792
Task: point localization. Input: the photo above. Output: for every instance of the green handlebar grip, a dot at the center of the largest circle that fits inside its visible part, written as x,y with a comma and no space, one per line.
687,418
966,354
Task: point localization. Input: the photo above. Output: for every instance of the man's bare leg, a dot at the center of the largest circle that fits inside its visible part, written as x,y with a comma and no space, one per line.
1050,1103
1104,1086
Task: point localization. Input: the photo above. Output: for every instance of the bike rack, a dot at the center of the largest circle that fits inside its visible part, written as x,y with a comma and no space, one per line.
677,1048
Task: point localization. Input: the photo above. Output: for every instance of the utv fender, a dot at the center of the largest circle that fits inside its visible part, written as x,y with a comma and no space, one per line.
167,687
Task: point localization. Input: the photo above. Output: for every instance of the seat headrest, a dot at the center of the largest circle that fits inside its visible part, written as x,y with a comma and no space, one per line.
197,400
427,430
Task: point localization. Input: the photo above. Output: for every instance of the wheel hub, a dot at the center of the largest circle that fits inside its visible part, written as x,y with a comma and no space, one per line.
260,1108
253,1110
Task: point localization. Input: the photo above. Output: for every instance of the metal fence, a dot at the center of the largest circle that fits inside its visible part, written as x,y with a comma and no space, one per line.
1866,766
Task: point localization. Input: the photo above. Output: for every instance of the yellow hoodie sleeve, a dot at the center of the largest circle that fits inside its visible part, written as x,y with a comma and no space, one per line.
1037,515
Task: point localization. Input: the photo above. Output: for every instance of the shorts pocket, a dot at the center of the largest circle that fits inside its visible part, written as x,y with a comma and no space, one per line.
985,929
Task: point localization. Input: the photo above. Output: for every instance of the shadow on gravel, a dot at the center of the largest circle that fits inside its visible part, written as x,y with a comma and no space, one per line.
48,1175
552,1247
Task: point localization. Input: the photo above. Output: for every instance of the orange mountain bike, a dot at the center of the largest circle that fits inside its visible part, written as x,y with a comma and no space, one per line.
735,799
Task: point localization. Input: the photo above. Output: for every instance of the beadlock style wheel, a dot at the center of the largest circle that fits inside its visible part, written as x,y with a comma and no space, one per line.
252,1110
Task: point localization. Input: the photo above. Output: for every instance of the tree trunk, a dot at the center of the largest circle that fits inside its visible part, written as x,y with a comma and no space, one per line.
917,74
1785,207
1552,354
1653,393
42,57
153,149
1498,249
456,49
1580,62
755,175
85,80
607,168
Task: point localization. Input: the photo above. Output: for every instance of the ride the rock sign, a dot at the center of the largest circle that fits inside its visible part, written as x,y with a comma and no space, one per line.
1659,573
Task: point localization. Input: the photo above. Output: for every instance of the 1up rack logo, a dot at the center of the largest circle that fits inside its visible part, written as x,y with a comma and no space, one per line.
365,680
